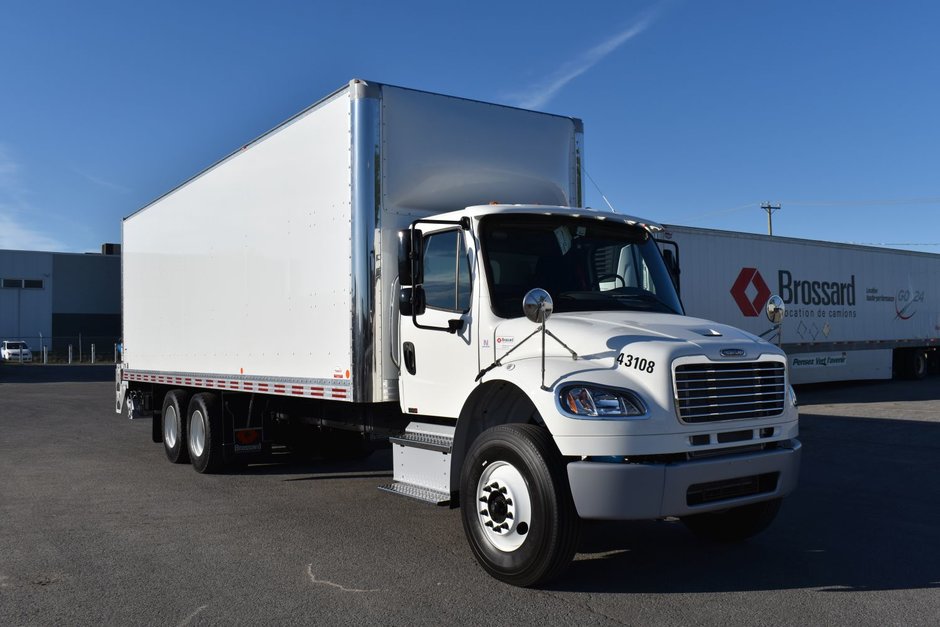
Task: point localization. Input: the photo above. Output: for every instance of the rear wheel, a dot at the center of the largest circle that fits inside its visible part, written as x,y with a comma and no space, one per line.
910,363
516,505
918,364
735,524
205,433
173,419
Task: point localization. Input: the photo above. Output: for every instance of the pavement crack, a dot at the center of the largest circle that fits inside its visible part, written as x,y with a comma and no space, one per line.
325,582
189,618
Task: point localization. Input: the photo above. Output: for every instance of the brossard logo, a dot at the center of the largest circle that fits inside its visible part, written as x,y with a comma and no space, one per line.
792,291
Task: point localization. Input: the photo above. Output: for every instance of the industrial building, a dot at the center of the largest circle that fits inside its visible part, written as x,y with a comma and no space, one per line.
59,300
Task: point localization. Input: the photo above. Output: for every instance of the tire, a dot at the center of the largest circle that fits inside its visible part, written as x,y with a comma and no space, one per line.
516,505
910,364
173,423
918,365
204,433
735,524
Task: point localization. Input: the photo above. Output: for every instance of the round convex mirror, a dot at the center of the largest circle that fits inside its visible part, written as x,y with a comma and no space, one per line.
775,309
537,305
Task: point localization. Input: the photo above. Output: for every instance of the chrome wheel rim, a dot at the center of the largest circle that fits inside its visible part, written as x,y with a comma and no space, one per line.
504,506
197,433
171,426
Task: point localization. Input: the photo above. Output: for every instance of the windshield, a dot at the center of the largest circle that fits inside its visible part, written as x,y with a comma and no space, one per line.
586,264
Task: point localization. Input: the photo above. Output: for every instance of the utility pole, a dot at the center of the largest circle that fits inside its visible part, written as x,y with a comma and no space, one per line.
769,208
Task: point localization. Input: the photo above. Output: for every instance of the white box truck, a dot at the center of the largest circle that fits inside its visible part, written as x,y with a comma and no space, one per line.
394,263
852,312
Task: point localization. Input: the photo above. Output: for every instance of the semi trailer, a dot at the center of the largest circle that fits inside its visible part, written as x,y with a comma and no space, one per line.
852,312
395,264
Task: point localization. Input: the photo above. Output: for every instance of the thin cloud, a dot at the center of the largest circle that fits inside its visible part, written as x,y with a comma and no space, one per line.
8,167
540,94
14,233
102,182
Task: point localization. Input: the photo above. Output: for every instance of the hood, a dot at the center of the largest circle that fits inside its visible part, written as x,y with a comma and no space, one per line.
596,334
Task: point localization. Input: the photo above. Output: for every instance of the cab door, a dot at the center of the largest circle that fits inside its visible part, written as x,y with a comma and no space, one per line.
439,358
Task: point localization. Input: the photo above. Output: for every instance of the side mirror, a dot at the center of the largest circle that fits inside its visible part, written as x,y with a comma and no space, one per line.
411,301
410,263
671,261
537,305
775,309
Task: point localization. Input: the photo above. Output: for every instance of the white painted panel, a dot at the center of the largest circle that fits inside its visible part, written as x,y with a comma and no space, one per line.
246,268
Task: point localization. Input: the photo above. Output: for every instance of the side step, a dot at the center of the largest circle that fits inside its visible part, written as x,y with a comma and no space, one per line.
422,463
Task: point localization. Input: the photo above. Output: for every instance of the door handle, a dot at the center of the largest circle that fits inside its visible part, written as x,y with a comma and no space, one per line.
408,352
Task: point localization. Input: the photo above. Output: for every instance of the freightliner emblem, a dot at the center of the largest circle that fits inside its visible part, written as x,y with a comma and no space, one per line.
732,352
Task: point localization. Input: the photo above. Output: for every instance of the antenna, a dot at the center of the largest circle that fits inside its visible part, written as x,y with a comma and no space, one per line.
590,178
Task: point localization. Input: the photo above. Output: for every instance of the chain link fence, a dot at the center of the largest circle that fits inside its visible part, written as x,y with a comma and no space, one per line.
77,349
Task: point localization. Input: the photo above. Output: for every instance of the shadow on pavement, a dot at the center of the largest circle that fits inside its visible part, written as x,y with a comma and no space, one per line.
879,391
38,373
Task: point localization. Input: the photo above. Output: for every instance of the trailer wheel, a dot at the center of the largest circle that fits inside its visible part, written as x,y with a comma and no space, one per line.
173,418
205,433
516,505
735,524
910,363
918,364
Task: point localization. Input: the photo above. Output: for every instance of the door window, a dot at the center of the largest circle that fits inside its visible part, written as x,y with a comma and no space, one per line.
446,272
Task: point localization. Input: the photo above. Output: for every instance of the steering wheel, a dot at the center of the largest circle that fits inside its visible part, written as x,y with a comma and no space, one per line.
606,277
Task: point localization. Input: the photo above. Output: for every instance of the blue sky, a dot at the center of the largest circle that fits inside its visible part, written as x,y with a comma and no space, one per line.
695,111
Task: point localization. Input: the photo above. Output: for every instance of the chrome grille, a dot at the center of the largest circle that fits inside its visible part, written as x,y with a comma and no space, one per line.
730,391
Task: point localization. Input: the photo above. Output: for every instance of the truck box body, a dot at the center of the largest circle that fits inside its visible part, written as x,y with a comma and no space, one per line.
849,308
277,251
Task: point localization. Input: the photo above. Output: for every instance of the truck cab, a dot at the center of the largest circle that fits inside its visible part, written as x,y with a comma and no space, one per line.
548,350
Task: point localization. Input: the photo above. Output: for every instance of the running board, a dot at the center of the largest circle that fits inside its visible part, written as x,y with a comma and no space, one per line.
425,495
421,457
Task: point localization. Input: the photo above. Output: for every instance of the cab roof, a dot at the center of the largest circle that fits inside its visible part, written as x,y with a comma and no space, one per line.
478,211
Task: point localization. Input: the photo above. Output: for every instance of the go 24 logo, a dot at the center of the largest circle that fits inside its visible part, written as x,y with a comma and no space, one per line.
905,302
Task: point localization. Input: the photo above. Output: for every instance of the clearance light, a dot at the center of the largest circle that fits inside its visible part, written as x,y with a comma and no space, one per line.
593,402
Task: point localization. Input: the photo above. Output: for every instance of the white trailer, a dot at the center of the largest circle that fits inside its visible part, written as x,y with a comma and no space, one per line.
852,312
370,269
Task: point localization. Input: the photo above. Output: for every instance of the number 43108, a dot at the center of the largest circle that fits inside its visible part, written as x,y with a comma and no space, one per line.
637,363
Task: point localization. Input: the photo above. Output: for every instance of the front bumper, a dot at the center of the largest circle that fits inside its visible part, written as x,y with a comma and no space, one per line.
642,491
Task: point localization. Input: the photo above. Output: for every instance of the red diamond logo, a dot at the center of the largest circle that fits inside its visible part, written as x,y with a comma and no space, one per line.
747,277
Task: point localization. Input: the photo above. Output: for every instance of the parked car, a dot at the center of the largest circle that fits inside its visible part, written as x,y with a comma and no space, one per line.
15,351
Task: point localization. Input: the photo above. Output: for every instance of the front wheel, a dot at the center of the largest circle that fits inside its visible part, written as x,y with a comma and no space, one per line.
516,505
735,524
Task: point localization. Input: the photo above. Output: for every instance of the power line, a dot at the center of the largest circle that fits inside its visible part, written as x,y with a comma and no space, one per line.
925,200
896,243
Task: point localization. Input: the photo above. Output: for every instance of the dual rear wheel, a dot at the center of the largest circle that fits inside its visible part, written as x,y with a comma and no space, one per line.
192,430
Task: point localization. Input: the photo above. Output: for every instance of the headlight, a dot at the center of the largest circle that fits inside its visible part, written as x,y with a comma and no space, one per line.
595,402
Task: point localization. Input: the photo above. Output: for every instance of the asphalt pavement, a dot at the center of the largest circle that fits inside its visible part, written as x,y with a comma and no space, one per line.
97,527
